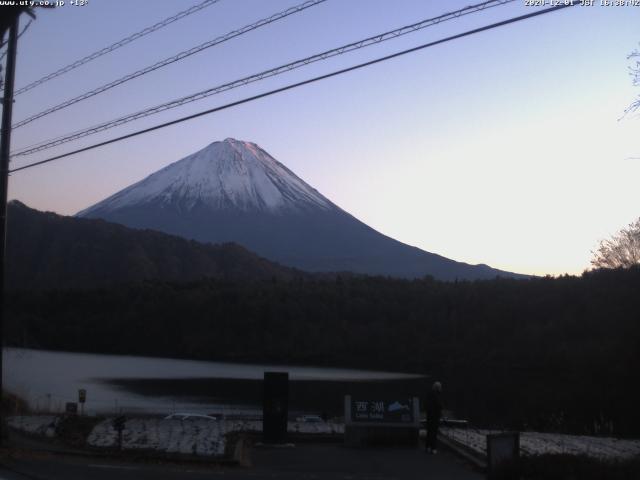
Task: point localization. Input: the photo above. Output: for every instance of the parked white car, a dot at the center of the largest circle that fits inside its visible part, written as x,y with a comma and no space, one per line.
189,416
310,419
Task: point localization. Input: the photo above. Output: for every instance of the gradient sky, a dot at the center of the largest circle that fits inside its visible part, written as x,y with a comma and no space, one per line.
503,148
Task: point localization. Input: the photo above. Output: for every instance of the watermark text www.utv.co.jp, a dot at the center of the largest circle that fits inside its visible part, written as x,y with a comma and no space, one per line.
43,3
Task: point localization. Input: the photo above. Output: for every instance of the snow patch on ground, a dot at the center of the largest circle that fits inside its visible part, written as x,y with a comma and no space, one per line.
536,443
195,436
204,437
192,437
34,424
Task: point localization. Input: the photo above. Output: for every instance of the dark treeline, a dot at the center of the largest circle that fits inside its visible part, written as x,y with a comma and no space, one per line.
549,354
46,250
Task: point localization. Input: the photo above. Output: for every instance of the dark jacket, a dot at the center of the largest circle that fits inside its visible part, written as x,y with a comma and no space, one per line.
434,408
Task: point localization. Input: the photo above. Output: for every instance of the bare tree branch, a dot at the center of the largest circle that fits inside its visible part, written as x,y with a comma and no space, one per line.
634,71
622,250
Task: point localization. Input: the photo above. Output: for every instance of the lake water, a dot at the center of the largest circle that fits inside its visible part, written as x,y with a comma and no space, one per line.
114,383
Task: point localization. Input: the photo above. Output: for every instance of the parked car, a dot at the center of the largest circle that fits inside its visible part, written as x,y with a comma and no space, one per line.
310,419
189,416
447,422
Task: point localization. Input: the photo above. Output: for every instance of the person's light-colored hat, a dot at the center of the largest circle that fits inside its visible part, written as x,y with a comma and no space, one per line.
436,387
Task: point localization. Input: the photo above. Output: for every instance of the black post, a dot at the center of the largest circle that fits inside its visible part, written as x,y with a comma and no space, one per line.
275,409
5,146
118,424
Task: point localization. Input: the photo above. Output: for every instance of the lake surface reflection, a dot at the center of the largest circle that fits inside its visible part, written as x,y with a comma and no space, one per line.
114,383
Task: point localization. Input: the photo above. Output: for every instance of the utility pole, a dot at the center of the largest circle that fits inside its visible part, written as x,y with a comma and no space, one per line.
5,147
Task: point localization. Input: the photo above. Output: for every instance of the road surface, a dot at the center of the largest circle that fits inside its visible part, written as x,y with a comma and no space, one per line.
304,461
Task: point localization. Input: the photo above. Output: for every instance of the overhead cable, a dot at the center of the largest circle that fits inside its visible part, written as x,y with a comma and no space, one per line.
262,75
296,85
24,29
118,44
168,61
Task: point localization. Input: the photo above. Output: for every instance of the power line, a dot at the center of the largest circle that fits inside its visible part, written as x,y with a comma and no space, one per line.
24,29
175,58
262,75
118,44
51,139
298,84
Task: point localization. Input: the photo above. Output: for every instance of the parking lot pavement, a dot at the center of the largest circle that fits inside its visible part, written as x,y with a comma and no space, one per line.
335,461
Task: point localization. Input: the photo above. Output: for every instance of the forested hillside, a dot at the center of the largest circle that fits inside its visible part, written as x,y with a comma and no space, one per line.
46,250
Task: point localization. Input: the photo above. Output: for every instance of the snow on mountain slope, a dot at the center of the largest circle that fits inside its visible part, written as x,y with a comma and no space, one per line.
228,174
233,191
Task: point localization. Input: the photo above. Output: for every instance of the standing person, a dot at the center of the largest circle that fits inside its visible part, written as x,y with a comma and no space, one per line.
434,412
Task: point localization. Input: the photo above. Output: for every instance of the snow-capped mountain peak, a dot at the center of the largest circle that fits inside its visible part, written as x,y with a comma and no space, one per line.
233,191
230,174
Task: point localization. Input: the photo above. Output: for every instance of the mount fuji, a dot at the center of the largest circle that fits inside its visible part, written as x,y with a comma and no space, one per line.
234,191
